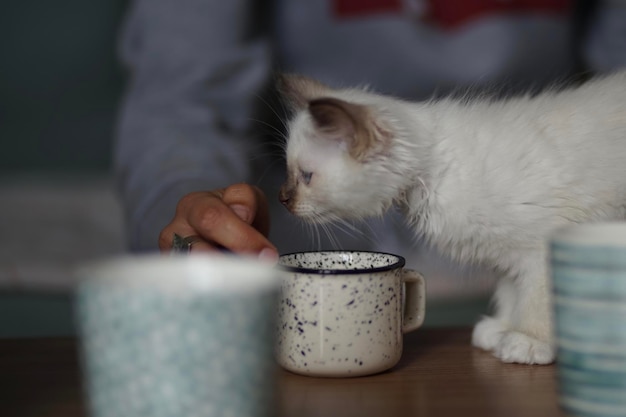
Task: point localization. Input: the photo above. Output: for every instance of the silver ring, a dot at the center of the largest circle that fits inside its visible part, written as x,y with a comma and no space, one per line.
184,244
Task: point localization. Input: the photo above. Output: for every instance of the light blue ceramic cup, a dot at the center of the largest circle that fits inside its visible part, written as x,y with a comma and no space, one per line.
588,265
178,336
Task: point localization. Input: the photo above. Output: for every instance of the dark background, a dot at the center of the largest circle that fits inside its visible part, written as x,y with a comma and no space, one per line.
60,83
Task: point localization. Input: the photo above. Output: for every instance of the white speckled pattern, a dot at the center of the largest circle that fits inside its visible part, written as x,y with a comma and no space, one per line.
340,313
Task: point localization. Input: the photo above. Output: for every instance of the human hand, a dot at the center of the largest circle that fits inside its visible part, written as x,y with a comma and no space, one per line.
235,218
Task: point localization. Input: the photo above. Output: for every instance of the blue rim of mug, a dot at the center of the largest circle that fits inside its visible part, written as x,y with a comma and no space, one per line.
327,271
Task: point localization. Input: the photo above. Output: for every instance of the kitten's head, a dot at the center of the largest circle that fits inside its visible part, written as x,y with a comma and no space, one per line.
340,152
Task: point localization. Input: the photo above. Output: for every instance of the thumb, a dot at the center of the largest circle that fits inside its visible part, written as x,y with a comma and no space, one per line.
242,211
249,204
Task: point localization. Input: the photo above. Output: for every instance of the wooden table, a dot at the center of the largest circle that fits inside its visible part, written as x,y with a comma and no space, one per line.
440,375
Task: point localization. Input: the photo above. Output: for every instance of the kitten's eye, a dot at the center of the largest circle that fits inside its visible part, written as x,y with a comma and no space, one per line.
306,176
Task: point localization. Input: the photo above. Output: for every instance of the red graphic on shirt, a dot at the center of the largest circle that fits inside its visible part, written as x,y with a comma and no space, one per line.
454,13
355,8
449,13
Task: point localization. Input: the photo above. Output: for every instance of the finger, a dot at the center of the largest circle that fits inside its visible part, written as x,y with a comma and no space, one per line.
216,222
242,199
181,227
167,236
178,226
205,214
250,205
206,247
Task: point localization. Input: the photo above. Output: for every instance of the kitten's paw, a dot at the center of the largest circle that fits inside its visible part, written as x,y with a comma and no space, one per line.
488,333
510,346
516,347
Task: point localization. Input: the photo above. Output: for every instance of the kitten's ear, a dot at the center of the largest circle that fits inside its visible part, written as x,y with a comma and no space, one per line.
298,90
352,123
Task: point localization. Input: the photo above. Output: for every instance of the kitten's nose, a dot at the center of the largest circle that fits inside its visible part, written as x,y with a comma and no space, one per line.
284,196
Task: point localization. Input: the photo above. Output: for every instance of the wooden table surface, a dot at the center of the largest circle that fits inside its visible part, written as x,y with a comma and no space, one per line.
440,375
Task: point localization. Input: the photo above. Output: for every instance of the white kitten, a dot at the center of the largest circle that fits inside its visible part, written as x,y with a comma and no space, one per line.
485,181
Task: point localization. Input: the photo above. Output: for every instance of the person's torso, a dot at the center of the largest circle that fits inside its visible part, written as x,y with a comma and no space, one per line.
413,48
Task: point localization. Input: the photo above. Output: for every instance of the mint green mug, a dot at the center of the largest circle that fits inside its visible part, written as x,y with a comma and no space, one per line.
178,336
588,269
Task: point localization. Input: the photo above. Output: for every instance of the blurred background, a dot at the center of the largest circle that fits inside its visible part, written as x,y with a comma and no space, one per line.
60,84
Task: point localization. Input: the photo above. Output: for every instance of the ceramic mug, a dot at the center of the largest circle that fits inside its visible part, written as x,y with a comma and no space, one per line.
343,313
588,268
170,336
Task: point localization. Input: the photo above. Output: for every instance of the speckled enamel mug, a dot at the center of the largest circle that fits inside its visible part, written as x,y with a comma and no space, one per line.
343,313
588,264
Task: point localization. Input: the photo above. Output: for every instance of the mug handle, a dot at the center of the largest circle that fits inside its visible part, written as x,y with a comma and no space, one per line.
414,300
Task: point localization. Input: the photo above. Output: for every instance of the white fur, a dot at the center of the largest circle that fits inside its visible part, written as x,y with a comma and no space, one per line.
485,181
